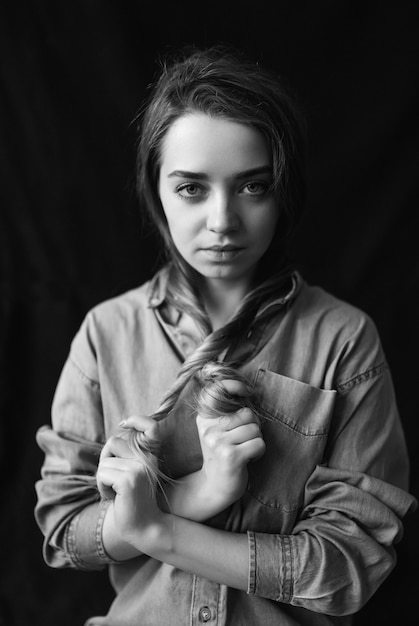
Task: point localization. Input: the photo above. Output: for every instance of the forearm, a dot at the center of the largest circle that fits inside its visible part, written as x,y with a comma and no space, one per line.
135,525
218,555
339,551
190,546
194,497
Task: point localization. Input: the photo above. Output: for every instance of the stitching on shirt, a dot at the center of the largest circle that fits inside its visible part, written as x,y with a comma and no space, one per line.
193,599
83,376
70,538
69,543
288,570
283,545
219,604
296,558
103,507
256,562
361,378
277,507
292,575
251,583
281,418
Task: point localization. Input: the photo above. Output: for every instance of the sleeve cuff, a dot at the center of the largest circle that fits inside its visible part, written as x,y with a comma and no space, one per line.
84,537
271,566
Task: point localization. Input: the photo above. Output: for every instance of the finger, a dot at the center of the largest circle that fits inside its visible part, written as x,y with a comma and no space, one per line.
214,437
116,447
121,464
243,433
106,491
106,480
252,450
131,467
143,424
116,474
228,422
109,477
240,418
236,388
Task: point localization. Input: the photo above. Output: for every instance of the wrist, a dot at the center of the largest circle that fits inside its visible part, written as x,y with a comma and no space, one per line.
115,546
187,497
157,540
223,488
209,495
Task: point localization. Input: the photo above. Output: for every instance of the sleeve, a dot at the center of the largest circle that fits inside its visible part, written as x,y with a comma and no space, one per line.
69,511
342,545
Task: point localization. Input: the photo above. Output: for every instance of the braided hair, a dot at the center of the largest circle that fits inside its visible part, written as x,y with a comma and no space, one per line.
220,82
204,366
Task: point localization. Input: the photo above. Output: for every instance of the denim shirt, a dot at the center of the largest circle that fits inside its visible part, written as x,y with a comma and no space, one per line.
323,505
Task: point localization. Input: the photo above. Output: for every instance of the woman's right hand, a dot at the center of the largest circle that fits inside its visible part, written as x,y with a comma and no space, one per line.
122,477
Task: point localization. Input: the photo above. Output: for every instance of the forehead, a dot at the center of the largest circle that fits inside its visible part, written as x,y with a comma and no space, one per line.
201,142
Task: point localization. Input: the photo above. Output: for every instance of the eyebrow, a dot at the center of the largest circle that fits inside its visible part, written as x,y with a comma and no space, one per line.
263,169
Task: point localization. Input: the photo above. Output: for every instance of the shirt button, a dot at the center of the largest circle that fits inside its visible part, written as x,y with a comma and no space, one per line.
204,614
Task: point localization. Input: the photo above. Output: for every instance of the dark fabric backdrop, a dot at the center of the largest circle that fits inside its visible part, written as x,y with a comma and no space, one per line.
72,77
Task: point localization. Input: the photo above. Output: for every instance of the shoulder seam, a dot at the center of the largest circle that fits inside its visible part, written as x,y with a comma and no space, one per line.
361,378
83,376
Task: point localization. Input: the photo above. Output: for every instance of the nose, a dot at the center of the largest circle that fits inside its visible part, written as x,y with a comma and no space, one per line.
222,216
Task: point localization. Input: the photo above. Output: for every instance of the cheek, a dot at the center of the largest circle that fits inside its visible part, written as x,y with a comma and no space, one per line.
267,226
181,229
172,229
169,214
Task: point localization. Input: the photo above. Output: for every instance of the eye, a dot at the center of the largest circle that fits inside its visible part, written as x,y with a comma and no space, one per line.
255,188
189,190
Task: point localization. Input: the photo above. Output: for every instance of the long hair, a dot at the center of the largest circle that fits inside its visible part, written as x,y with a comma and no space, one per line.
204,365
213,400
222,82
219,82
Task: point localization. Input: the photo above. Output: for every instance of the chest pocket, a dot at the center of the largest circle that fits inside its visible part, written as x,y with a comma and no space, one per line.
295,432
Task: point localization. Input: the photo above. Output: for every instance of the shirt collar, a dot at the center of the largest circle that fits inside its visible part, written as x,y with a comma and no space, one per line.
158,287
289,295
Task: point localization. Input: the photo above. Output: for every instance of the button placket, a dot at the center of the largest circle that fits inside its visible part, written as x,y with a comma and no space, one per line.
206,606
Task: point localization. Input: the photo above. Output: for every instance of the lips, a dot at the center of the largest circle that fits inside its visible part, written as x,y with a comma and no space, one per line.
222,254
226,248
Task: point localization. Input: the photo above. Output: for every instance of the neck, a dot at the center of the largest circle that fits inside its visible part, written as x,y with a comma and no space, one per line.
222,299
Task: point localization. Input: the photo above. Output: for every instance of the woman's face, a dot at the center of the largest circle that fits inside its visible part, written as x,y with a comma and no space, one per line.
214,186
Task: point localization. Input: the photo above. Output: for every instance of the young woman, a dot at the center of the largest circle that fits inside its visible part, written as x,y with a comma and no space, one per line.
282,505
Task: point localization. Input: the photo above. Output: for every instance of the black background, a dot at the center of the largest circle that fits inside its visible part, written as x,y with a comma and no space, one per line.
72,77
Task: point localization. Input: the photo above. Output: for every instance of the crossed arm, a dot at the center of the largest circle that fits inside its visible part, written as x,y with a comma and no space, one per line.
173,531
